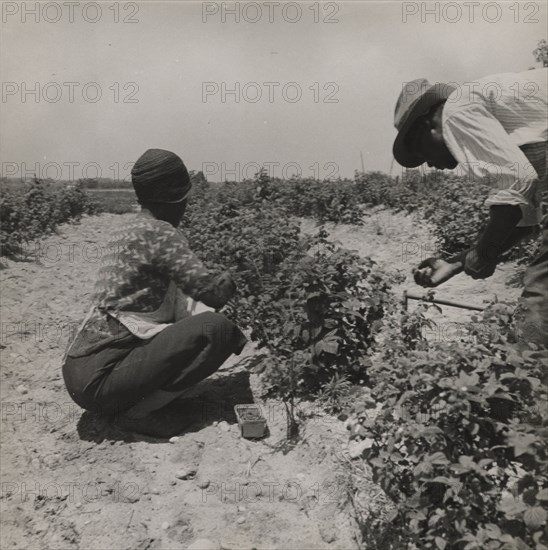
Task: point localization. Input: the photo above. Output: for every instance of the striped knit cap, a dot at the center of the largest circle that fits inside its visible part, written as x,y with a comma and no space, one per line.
160,176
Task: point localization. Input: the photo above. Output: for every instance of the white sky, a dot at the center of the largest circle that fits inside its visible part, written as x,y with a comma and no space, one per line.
170,52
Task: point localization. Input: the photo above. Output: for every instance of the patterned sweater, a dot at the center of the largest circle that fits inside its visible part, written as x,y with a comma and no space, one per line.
143,285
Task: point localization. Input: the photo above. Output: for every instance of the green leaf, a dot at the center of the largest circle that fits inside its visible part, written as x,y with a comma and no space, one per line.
493,531
511,507
535,517
440,543
521,442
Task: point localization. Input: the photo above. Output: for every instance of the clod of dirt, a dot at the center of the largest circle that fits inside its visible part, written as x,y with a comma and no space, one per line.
165,526
203,544
203,483
240,520
130,498
230,542
224,426
173,439
22,390
328,533
185,473
356,448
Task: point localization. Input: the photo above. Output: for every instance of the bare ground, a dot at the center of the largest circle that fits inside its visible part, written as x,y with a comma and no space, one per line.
71,480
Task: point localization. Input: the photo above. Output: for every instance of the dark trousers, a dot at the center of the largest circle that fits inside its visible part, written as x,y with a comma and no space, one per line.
116,378
533,327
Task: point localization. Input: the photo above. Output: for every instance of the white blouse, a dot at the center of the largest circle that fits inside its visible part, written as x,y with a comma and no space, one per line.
485,123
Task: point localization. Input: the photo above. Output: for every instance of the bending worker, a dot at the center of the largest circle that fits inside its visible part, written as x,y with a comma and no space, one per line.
497,127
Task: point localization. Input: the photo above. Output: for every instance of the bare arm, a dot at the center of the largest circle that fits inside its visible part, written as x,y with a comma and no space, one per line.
480,261
499,236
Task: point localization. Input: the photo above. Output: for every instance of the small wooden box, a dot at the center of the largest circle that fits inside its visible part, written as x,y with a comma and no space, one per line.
251,421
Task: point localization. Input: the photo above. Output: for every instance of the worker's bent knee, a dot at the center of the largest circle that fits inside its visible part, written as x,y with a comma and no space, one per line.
212,317
222,332
215,323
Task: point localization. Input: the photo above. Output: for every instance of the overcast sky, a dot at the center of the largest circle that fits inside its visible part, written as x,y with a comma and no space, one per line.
153,73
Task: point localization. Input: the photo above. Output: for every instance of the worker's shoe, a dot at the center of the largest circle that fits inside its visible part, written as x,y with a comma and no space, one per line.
160,424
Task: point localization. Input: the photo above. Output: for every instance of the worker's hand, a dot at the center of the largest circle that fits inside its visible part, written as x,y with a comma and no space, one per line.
434,271
227,282
477,267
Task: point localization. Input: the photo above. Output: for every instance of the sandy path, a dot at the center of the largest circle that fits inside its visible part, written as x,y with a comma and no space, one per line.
69,480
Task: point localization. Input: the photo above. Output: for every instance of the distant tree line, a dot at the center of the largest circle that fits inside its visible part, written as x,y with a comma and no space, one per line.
110,183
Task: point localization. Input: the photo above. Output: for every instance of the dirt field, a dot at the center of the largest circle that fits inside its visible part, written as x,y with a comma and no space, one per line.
399,242
70,480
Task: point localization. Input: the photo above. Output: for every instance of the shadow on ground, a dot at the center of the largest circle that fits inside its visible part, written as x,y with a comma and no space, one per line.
212,400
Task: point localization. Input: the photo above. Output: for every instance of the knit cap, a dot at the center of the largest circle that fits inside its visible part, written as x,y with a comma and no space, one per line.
160,176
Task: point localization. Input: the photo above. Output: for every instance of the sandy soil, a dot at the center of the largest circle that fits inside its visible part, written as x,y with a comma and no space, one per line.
71,480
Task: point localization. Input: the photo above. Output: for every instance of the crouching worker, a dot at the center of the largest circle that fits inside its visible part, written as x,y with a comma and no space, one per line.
140,348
